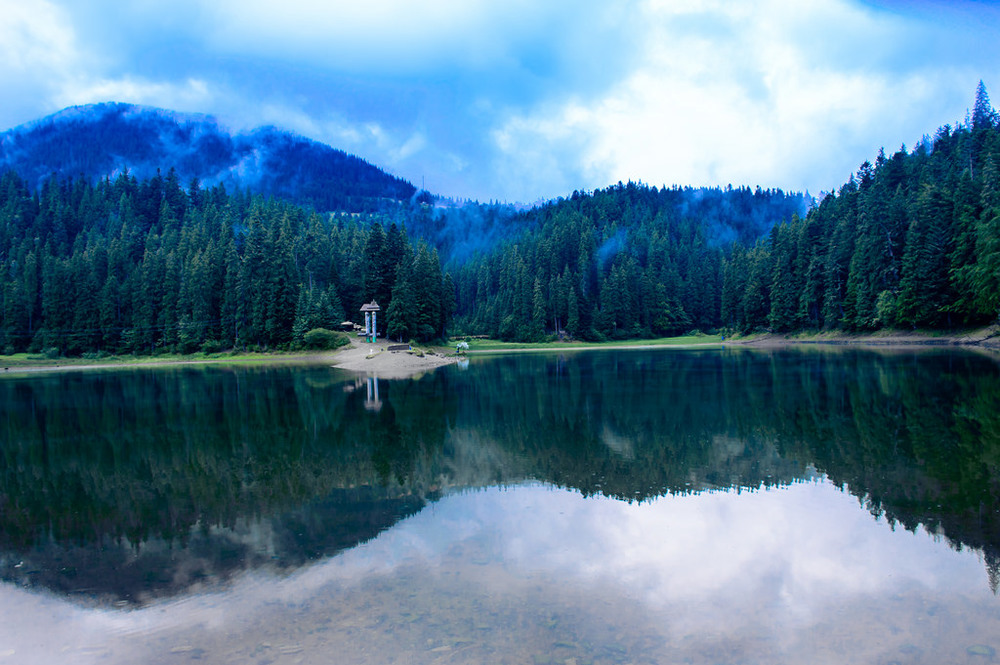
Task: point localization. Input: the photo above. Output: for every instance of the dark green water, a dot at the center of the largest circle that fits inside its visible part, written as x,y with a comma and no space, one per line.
634,506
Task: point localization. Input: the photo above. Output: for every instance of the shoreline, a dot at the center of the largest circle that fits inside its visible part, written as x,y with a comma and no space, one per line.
596,347
356,358
985,338
67,365
377,360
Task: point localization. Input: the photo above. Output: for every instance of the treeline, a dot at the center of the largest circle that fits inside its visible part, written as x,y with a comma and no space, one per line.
130,266
911,241
627,261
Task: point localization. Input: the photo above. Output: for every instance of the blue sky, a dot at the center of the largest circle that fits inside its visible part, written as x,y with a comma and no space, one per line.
522,101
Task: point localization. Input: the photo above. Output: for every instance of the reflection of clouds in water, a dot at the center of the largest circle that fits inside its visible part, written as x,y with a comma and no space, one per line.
696,545
717,557
622,445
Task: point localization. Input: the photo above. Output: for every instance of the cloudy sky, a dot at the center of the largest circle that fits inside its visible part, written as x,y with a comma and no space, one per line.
524,100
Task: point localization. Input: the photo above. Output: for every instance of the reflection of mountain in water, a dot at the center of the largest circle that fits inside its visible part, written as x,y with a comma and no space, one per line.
140,483
117,569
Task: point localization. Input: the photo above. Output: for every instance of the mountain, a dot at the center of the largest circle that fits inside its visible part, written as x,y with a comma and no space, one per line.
101,140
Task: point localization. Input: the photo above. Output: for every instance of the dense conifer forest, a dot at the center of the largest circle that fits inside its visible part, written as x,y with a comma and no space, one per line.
129,266
912,240
626,261
118,264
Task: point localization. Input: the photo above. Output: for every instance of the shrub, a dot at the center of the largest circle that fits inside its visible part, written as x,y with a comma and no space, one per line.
321,338
213,346
51,353
885,309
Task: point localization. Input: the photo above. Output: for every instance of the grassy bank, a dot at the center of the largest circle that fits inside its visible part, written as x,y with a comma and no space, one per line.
988,336
984,337
496,346
39,362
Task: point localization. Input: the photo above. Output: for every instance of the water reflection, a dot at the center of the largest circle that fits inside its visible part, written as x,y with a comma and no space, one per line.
132,485
534,573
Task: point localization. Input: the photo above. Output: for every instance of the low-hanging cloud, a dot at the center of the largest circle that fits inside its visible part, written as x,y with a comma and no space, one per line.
729,94
523,101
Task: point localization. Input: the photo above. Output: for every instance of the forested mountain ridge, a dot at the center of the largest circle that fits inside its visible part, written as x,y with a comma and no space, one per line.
128,264
627,261
102,140
912,240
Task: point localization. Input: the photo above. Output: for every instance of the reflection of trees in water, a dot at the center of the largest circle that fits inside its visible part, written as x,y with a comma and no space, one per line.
915,436
195,472
152,453
630,425
125,483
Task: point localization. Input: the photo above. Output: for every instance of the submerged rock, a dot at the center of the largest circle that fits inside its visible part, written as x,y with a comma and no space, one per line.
981,650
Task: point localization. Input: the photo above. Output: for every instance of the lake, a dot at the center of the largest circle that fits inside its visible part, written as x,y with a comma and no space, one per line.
642,506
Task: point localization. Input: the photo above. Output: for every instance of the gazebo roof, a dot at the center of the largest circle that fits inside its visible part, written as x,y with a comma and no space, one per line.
371,307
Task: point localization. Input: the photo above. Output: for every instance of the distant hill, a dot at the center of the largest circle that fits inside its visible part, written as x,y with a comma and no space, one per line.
105,139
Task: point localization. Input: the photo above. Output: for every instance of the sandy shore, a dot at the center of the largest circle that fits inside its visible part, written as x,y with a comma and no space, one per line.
377,360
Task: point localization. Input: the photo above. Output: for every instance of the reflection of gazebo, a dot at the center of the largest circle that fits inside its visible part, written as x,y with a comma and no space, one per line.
373,403
371,332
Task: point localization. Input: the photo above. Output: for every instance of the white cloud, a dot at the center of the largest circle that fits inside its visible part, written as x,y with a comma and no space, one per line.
38,53
34,37
191,95
46,66
524,100
733,93
390,37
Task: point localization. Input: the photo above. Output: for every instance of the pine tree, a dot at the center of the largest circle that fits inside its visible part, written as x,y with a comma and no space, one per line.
983,115
538,315
785,286
984,277
375,277
402,313
572,312
924,293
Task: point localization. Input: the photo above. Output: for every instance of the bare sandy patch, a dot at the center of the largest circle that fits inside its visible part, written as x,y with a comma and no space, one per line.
376,359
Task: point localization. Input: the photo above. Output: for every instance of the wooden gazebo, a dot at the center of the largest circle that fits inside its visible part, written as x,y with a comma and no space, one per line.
370,310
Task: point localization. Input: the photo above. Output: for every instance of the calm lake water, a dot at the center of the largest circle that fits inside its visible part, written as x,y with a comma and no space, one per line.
722,506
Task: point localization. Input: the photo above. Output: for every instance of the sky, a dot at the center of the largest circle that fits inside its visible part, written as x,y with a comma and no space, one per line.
522,101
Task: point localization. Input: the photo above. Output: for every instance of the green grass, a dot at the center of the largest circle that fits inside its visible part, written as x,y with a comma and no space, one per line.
496,346
23,360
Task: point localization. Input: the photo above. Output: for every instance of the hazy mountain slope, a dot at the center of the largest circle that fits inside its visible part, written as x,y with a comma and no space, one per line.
105,139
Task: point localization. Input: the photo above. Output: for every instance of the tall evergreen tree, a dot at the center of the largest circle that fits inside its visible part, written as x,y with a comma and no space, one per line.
924,293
